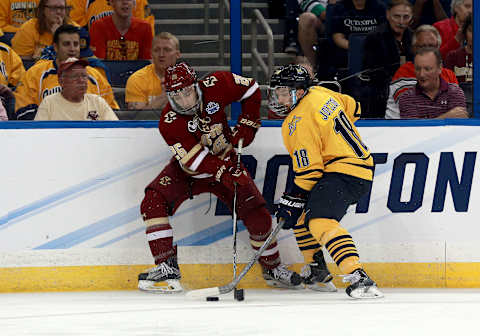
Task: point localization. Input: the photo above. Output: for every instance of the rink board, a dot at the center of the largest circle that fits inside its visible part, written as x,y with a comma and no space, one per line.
69,214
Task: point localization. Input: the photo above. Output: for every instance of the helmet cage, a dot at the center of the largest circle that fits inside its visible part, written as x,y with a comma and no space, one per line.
293,77
187,110
274,104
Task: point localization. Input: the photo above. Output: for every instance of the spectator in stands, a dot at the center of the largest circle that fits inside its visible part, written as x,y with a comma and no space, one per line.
121,36
41,79
73,102
404,79
145,88
86,12
386,49
86,52
448,28
432,97
311,26
429,11
11,71
461,59
353,16
37,33
461,62
14,13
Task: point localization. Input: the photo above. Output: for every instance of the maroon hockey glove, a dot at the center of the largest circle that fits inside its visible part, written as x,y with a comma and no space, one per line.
242,130
229,175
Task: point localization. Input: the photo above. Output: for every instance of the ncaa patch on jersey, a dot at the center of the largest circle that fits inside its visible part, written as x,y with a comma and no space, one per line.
212,107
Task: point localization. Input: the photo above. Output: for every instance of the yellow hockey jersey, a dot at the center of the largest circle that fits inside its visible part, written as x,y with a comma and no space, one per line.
41,80
14,13
320,136
86,12
11,66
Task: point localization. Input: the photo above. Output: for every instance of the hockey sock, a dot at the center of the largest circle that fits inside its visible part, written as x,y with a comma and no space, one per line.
160,239
338,243
307,244
259,226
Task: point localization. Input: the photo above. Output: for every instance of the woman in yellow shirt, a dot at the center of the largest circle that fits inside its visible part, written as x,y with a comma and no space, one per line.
37,33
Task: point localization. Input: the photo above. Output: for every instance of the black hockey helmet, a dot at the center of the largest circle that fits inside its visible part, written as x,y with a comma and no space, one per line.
293,77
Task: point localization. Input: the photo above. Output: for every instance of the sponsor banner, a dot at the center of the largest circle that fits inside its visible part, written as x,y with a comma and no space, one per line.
70,197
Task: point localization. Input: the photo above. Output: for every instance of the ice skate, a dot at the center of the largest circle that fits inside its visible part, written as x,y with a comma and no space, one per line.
282,277
163,278
316,275
361,286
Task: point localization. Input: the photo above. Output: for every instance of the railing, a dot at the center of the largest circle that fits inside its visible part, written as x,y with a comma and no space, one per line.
256,57
222,5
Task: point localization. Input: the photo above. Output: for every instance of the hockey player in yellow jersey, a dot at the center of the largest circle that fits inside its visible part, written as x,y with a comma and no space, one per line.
333,169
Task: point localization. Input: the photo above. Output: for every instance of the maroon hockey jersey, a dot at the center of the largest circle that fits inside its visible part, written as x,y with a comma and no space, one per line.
203,142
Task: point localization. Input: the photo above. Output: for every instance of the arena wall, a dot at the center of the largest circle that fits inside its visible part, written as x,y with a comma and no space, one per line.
70,196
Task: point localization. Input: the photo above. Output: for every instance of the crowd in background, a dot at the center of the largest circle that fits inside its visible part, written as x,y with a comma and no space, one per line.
374,48
370,47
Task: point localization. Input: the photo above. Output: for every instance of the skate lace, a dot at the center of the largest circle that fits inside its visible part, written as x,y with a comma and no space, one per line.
281,272
306,271
352,278
162,270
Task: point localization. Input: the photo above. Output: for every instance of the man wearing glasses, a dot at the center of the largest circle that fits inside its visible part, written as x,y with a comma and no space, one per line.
121,36
73,102
37,33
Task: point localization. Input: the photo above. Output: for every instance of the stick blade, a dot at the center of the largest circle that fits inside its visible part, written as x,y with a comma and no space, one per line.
202,293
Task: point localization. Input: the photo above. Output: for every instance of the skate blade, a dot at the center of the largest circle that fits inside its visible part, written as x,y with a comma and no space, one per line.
170,286
322,287
371,292
278,284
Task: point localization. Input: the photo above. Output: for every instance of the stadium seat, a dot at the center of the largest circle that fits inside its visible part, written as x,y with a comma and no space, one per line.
28,63
7,38
138,114
121,70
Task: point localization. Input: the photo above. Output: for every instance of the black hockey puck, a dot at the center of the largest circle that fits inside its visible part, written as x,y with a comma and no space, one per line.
238,294
212,298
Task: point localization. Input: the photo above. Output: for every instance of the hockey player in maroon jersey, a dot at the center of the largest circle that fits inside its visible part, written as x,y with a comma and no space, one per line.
195,126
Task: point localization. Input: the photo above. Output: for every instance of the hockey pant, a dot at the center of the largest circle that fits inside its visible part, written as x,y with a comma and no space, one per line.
173,186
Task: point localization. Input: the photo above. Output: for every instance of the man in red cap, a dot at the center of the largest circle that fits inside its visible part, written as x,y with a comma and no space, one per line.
73,102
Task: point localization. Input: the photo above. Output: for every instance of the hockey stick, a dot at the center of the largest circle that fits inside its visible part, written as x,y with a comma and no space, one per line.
234,237
213,291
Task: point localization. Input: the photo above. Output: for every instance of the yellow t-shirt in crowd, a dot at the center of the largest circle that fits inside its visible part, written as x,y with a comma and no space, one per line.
93,107
14,13
41,80
28,41
143,86
11,66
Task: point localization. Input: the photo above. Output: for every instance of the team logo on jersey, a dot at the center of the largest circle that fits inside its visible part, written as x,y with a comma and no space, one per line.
170,117
92,115
192,126
165,181
212,107
292,126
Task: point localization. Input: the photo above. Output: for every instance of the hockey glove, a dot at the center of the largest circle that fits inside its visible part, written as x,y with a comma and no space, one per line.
245,129
290,208
230,175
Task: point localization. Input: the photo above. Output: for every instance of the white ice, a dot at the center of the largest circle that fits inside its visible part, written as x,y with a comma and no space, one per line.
402,312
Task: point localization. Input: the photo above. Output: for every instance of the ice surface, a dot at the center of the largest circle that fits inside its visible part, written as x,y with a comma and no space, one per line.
402,312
